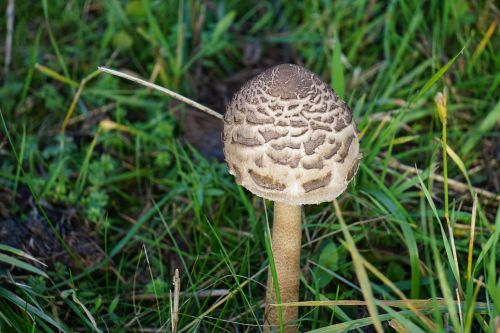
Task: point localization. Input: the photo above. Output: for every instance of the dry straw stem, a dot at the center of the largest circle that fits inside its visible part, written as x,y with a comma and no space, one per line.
398,327
166,91
55,75
459,306
75,100
422,304
199,294
471,239
174,309
399,293
484,42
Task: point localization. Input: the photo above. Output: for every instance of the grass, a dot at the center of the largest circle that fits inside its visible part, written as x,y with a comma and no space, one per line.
95,169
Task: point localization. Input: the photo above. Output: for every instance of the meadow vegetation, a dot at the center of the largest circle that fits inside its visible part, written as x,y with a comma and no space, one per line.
106,187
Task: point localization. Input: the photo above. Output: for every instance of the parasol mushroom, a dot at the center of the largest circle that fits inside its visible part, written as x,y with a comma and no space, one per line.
290,139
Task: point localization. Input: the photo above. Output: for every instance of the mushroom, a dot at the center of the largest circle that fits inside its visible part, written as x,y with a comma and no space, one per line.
290,139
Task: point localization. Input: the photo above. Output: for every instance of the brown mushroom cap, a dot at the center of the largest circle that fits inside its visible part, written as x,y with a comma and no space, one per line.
289,138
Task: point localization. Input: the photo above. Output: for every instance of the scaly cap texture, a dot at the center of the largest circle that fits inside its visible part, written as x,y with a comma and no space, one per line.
289,138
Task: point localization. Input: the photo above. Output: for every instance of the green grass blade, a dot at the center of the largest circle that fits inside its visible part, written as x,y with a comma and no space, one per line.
337,70
21,264
364,282
135,228
436,77
25,306
488,123
393,205
357,323
20,253
274,274
445,287
53,41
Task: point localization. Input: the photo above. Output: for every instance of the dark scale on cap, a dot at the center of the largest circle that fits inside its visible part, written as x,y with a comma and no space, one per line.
288,81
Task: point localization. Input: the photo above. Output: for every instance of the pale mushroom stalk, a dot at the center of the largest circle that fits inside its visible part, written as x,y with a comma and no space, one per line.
286,244
290,139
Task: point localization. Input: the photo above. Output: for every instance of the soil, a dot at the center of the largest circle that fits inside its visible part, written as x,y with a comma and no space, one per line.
31,233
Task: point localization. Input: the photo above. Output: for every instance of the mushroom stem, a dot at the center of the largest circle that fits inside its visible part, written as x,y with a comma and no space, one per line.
286,242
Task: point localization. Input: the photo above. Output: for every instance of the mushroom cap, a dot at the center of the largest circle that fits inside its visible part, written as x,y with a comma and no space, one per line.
289,138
